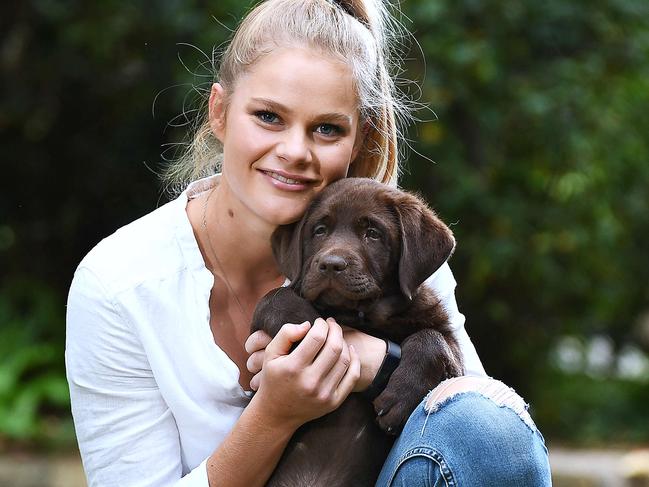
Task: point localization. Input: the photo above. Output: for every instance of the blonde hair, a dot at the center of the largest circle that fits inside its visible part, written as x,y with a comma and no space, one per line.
360,33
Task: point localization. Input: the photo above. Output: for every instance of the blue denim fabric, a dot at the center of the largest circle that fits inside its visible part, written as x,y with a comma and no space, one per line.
468,441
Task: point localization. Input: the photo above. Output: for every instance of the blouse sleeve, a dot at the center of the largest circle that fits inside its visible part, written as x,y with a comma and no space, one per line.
443,283
127,434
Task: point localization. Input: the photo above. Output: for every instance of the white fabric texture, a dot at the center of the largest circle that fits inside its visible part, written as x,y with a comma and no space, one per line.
152,394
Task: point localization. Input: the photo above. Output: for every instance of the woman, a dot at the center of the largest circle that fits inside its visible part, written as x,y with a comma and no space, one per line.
159,360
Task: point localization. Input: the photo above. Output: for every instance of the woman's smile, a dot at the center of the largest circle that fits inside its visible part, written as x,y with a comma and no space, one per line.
287,182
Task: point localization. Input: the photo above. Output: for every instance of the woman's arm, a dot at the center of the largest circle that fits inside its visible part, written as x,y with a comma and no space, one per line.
294,388
249,454
127,434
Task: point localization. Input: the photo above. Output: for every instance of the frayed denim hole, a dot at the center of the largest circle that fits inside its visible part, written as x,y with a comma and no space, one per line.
495,391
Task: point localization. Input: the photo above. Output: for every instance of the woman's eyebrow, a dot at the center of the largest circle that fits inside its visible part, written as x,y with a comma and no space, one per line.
335,117
329,117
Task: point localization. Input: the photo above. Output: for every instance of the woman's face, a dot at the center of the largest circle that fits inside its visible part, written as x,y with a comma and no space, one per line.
290,128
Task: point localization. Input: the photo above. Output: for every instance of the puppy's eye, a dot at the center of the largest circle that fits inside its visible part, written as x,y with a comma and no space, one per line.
319,230
373,234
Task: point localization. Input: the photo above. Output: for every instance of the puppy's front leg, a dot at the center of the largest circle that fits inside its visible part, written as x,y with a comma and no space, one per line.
280,306
426,359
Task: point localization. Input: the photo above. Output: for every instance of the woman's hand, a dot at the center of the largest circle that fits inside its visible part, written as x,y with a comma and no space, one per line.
256,346
310,381
370,349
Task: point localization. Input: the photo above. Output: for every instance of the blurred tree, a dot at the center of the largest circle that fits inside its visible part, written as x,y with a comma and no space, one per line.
89,91
540,149
78,134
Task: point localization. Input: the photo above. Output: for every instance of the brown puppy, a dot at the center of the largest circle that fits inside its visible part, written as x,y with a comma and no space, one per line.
360,254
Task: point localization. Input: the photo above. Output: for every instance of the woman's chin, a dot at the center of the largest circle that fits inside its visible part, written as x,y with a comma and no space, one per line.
279,220
283,215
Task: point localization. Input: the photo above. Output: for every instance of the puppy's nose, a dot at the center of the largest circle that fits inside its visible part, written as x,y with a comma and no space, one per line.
330,264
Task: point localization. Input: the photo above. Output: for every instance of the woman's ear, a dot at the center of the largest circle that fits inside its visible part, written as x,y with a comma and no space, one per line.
216,111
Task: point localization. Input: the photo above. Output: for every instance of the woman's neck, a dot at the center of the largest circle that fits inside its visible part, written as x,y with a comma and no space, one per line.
233,242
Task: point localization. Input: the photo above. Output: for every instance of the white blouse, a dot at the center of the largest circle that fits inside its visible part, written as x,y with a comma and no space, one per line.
152,394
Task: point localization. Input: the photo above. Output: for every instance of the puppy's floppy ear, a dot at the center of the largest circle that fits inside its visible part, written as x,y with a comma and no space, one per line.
426,243
286,242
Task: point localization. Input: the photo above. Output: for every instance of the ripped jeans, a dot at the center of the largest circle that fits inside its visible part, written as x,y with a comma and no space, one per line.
468,432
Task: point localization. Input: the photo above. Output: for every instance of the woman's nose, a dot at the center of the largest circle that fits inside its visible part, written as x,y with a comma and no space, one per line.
295,147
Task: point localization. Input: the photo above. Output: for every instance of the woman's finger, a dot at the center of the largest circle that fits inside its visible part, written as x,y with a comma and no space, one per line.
332,379
257,341
256,361
285,338
346,385
329,355
314,340
254,382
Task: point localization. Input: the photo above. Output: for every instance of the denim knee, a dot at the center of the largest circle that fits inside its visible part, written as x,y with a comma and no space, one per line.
478,437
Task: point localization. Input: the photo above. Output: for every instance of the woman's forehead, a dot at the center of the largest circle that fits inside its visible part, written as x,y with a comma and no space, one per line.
297,78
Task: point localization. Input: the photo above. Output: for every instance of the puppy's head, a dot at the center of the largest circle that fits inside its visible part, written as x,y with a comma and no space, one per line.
359,240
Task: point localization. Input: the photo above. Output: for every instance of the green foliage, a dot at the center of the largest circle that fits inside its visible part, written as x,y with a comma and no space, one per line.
540,149
539,141
580,408
33,390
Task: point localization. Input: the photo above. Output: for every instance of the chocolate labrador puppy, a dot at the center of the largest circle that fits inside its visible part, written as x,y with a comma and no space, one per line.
360,255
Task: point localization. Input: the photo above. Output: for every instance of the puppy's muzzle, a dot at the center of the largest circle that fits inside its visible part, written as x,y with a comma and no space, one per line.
332,265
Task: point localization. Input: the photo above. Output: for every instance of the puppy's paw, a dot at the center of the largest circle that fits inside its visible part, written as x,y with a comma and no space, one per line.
392,410
448,367
453,368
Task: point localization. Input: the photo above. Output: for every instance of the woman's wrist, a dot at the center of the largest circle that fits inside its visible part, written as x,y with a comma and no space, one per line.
255,431
281,424
372,351
389,364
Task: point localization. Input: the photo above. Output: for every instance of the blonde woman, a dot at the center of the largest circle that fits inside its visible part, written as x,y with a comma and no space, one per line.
159,361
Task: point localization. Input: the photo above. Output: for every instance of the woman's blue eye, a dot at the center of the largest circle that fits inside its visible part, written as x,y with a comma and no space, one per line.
328,129
266,117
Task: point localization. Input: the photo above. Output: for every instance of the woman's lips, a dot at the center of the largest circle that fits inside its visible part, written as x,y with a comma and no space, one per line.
287,183
283,179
